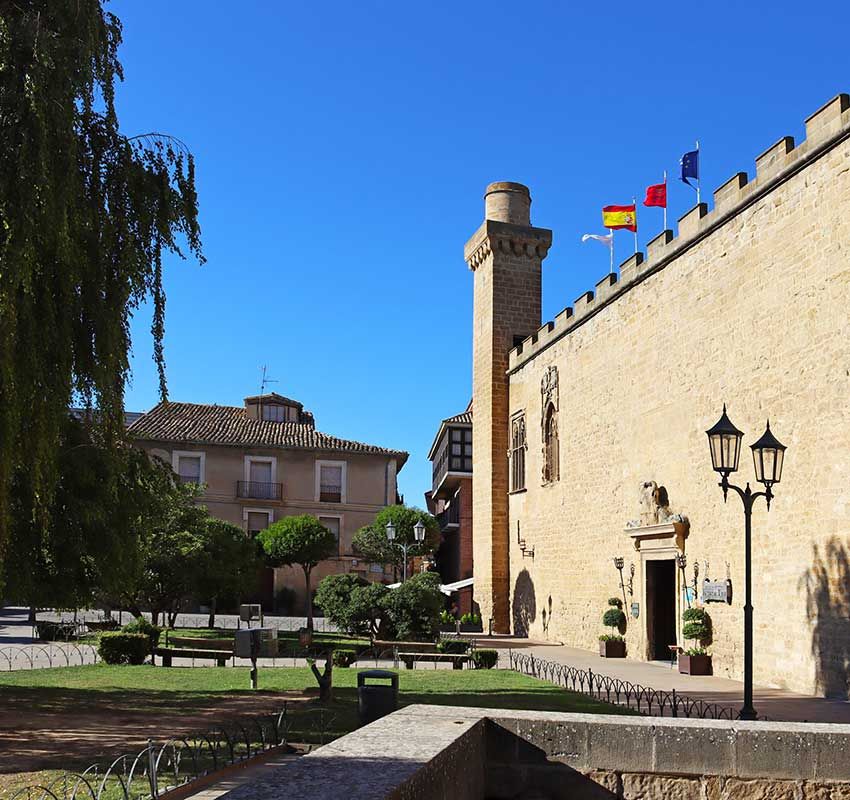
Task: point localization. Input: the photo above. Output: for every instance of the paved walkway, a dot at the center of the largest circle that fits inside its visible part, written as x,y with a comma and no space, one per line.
773,704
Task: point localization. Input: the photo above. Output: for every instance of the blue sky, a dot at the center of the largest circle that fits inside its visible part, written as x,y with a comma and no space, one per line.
343,149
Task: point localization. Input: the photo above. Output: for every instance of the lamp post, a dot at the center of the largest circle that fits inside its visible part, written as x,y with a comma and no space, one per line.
619,563
418,535
724,440
682,561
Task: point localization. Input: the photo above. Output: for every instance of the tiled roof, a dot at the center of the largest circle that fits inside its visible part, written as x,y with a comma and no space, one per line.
230,425
274,397
464,418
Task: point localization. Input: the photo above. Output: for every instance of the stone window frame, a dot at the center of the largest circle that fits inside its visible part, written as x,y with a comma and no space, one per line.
176,455
320,515
516,453
269,512
344,480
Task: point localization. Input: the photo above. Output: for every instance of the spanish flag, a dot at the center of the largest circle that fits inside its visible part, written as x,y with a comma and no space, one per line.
615,217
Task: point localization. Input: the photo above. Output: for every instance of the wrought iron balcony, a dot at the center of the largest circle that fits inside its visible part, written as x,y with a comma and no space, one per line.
258,490
449,518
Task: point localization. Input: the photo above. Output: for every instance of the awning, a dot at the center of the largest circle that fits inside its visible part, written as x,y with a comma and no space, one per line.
445,588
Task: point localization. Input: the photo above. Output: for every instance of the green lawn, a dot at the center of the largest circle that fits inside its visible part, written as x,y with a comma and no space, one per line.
158,699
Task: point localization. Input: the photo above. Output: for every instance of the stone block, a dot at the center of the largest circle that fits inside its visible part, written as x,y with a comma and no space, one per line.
689,223
833,755
737,789
775,753
621,747
629,268
772,160
606,287
565,742
656,247
827,120
729,194
660,787
813,790
694,750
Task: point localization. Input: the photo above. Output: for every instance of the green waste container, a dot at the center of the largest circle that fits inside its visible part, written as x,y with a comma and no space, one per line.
376,699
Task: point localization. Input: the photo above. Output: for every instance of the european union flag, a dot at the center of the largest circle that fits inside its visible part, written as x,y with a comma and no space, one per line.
690,167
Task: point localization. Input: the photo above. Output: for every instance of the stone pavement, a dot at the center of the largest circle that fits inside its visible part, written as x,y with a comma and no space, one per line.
771,703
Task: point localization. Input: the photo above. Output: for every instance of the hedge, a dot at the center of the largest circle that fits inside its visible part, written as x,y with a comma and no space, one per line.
344,658
485,659
123,648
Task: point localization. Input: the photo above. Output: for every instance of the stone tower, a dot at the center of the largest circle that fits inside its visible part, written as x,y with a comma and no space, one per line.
505,254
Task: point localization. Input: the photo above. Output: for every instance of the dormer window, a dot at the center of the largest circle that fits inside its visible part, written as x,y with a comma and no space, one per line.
279,413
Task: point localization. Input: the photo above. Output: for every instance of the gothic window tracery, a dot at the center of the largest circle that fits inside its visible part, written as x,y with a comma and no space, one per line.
518,447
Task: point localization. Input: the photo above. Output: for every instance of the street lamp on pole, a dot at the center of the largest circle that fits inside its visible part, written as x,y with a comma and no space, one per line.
768,454
418,536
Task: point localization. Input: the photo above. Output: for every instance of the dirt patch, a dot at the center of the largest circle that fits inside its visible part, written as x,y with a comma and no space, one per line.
56,729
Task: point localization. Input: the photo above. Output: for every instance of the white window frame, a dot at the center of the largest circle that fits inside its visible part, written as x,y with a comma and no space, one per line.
267,511
176,455
264,459
341,517
343,498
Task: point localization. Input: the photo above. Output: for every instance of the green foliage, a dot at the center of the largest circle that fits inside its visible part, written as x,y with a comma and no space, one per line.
697,625
611,637
141,625
615,602
118,647
613,618
446,618
86,216
485,659
697,651
372,544
413,609
452,646
344,658
353,604
470,619
301,540
227,563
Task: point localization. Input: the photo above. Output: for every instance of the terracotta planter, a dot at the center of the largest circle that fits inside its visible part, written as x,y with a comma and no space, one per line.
694,665
612,649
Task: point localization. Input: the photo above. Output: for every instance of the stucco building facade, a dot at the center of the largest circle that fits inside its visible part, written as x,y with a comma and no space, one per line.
748,305
266,460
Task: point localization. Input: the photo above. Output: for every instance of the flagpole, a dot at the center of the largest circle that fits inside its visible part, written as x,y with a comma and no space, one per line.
665,199
634,203
699,180
611,251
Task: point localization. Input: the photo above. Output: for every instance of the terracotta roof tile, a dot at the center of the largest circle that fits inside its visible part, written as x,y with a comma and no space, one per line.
230,426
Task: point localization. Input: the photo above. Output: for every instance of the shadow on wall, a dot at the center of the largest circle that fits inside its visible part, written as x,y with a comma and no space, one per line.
524,604
827,584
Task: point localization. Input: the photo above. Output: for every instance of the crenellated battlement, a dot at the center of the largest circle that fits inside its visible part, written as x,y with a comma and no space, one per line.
826,128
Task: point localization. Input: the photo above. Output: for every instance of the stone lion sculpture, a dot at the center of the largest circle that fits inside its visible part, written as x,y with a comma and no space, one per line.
654,504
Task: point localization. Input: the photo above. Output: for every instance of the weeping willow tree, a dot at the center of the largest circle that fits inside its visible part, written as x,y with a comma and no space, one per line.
86,215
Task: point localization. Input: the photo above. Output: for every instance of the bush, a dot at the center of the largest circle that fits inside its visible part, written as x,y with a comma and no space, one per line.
123,648
446,618
454,646
141,625
344,658
352,603
413,609
697,625
484,659
470,619
613,618
615,602
612,637
696,651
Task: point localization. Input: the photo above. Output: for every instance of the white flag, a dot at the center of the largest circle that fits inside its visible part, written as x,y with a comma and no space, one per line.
608,240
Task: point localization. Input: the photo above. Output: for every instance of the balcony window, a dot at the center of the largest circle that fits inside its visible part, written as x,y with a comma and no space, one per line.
189,466
333,524
330,480
257,521
460,458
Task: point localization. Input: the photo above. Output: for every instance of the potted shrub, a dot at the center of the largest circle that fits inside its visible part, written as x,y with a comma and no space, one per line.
613,645
448,624
470,623
697,627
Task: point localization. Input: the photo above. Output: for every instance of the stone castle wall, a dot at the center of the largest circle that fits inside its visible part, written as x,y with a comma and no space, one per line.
749,305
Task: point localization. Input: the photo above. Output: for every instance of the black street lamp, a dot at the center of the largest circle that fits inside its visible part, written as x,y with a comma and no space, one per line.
418,535
768,454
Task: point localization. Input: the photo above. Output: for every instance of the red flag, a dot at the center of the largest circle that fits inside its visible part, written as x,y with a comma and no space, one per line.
656,195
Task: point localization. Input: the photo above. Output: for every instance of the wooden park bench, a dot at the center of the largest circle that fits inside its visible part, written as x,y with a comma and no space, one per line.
221,657
457,659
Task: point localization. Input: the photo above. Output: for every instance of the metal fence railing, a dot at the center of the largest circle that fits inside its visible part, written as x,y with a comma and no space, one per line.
41,656
161,767
653,702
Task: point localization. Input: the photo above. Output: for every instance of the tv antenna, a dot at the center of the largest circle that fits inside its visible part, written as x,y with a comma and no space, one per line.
263,383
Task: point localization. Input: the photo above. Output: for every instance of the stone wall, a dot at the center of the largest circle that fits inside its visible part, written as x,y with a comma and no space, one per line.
452,753
747,306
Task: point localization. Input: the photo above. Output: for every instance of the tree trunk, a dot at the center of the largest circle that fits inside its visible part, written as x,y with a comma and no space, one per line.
307,572
31,617
211,621
154,616
325,680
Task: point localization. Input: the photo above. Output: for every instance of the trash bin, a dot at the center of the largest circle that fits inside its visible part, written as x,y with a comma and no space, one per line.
376,700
